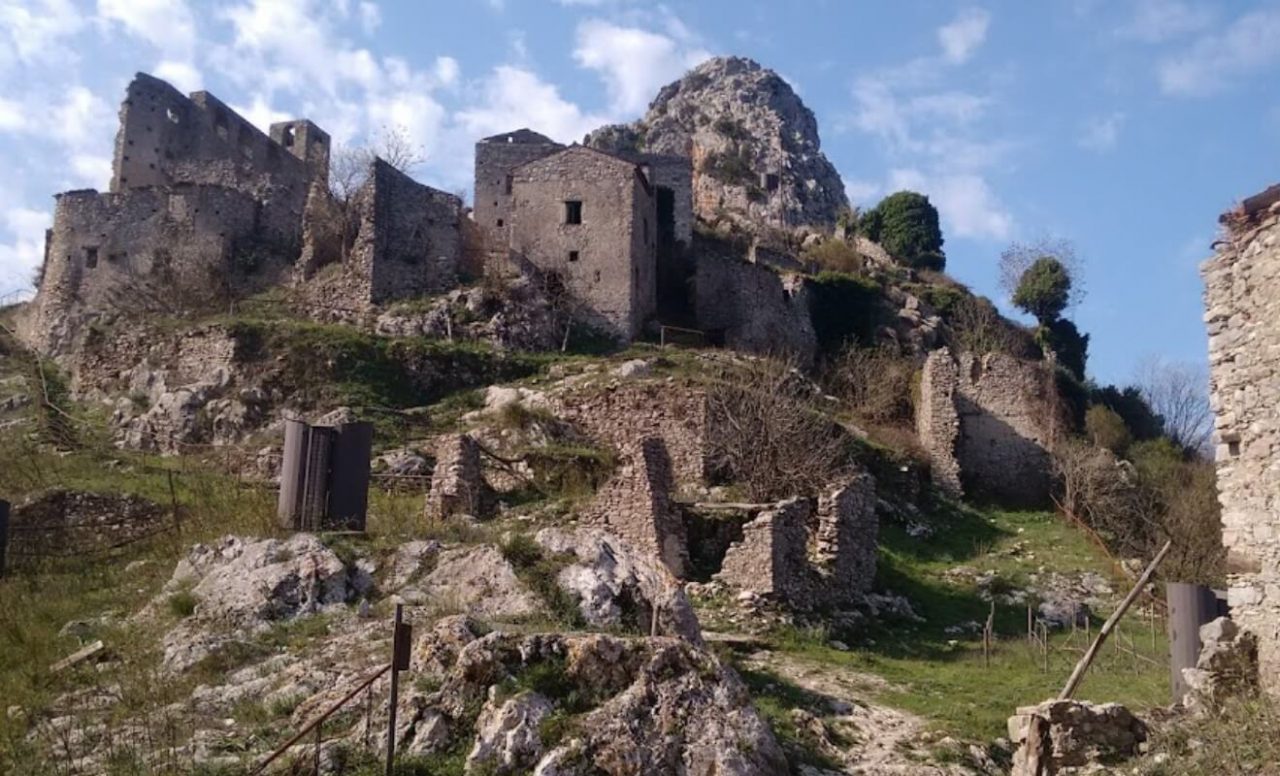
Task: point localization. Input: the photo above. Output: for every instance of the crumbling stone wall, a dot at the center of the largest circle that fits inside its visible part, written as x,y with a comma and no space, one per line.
772,558
992,416
938,423
607,262
845,538
149,250
636,505
497,158
751,307
1243,320
620,414
408,243
457,484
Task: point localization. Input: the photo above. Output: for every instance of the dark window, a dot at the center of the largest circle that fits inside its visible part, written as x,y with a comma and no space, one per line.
91,257
573,211
287,137
506,186
1233,449
573,255
499,224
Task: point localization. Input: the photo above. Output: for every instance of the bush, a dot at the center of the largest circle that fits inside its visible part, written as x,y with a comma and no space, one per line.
906,225
976,326
876,383
1106,429
1132,408
844,307
832,255
1044,290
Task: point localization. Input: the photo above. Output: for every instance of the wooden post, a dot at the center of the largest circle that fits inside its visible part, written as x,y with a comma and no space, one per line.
401,642
1077,676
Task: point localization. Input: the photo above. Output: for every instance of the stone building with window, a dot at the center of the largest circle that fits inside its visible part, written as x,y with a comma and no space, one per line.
586,219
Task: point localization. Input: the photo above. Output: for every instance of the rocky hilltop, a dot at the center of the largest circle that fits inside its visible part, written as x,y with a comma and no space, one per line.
756,154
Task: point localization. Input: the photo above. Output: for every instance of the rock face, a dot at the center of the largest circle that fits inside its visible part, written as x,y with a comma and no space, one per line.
241,586
754,145
645,706
1078,734
1228,664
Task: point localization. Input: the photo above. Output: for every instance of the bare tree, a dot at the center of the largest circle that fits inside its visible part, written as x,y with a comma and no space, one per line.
349,168
1018,258
1179,393
776,441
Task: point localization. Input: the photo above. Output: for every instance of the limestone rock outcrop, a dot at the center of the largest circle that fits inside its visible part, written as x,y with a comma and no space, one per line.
753,142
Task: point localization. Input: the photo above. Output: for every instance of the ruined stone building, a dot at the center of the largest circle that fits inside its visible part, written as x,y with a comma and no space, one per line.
204,208
1242,300
987,423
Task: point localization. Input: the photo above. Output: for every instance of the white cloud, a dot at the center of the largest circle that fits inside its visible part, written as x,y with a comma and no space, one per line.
370,17
862,192
25,250
166,24
1154,21
513,97
34,32
1101,133
447,71
634,63
1249,45
963,36
968,206
13,117
182,75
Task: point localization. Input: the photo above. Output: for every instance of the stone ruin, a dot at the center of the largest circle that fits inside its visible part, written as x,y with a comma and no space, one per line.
1243,320
457,483
1077,736
988,423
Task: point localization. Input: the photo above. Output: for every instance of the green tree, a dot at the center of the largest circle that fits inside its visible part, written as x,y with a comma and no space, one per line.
1064,340
906,225
1044,290
1106,429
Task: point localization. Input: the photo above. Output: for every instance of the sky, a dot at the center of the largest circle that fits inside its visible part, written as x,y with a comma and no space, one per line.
1124,126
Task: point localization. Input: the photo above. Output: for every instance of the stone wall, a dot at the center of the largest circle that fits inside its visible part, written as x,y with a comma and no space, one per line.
678,415
497,158
636,505
1243,320
751,307
772,557
607,261
166,138
938,423
457,485
153,250
844,539
993,418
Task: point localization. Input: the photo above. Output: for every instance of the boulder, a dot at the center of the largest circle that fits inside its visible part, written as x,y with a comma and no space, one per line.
478,581
1227,665
507,734
616,585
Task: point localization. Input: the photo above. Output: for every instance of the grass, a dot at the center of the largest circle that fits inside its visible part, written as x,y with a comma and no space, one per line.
944,677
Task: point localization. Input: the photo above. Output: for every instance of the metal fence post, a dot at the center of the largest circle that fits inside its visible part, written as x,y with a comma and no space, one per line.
1190,606
401,642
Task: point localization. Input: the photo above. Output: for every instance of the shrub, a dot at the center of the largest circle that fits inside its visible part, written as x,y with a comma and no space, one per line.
1106,429
1044,290
183,603
876,383
776,442
906,225
733,166
834,256
1129,404
844,307
977,327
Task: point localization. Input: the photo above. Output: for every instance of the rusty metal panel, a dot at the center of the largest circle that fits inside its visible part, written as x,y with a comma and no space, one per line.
292,473
349,477
1190,606
315,482
402,646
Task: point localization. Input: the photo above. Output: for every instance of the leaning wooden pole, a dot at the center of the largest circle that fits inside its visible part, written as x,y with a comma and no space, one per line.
1036,732
1077,675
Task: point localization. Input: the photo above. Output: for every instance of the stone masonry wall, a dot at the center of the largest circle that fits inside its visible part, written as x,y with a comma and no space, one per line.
678,415
1242,300
844,540
772,557
636,505
752,307
992,416
497,158
154,249
457,485
608,261
937,423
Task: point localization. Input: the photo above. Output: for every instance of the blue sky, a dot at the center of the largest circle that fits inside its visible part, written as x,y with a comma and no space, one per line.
1125,126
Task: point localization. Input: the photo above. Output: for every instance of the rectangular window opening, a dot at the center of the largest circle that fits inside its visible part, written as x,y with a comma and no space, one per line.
91,257
506,186
573,211
499,222
573,255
